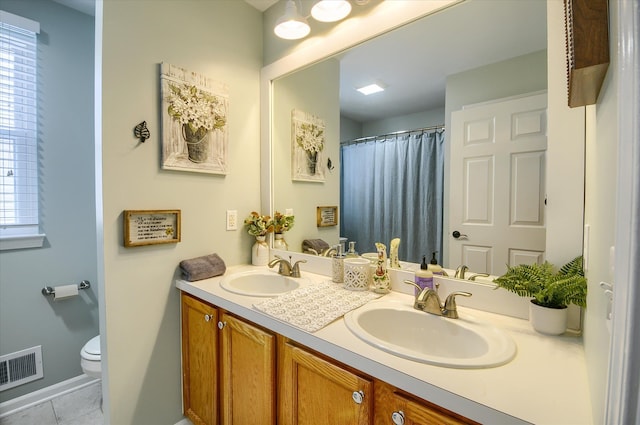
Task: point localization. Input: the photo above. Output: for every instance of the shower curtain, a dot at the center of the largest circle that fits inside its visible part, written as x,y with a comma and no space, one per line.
392,187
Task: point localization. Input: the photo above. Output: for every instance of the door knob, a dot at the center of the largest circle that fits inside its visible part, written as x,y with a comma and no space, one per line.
458,235
222,325
207,317
358,396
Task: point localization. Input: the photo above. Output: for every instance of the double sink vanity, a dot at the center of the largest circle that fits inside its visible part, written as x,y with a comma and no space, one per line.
382,362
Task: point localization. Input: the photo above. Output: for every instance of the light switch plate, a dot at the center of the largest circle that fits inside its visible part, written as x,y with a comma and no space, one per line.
232,219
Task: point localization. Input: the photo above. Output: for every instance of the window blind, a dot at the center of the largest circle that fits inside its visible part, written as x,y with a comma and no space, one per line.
18,123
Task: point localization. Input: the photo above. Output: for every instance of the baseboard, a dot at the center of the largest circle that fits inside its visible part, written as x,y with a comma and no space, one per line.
45,394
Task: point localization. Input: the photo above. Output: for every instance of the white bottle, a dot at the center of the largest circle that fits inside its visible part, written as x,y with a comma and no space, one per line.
337,265
424,277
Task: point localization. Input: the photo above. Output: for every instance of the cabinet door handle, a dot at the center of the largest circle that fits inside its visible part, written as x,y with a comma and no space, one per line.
207,317
357,396
222,325
397,418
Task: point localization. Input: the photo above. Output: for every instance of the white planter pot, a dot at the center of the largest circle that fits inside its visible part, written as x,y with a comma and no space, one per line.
280,243
549,321
260,252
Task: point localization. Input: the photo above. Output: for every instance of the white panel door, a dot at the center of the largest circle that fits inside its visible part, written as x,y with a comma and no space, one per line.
497,184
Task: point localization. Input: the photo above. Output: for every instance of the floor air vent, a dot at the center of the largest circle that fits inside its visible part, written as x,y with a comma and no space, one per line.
20,367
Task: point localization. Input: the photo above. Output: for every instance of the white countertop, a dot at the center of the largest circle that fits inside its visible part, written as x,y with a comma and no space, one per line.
546,383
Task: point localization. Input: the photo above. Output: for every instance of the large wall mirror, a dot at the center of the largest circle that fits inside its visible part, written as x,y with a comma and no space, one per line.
465,54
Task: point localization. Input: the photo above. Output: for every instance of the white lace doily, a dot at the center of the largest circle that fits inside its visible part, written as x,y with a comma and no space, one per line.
313,307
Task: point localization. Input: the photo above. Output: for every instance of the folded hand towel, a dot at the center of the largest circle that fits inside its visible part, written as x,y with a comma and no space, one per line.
315,246
202,267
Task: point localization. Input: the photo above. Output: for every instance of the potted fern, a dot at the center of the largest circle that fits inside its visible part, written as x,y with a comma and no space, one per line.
552,291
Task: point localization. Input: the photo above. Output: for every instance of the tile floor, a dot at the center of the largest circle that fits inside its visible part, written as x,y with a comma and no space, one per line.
81,407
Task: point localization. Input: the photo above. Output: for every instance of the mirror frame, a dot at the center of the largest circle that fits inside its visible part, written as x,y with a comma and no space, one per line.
566,126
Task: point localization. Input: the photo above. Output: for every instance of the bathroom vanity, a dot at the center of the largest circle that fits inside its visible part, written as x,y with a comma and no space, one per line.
243,366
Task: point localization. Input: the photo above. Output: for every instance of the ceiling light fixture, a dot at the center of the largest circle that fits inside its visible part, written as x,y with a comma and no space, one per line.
330,10
370,89
291,25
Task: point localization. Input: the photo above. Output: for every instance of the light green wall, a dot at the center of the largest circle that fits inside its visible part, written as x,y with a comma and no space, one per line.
223,41
416,120
314,90
66,151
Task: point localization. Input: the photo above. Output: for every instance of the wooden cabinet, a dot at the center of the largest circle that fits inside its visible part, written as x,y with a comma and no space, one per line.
247,373
199,360
316,391
393,406
228,367
235,372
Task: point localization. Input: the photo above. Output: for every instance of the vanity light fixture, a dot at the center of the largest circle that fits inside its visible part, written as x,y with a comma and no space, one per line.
330,10
291,25
370,89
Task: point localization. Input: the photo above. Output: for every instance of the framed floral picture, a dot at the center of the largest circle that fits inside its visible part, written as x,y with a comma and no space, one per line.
194,121
307,144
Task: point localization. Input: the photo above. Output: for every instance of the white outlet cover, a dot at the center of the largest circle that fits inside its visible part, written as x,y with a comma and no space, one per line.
232,220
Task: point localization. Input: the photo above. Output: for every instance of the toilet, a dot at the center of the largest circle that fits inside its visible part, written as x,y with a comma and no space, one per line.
90,358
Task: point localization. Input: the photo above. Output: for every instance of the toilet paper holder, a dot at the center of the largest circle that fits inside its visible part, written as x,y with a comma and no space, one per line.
48,290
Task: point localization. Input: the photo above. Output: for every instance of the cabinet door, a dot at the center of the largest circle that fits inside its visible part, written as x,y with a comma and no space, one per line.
315,391
199,361
392,407
248,373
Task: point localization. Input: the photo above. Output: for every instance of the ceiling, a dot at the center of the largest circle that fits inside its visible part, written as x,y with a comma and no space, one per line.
414,61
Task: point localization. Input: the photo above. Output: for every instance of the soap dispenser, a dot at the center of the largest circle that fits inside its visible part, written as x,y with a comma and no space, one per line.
337,265
352,250
424,276
434,267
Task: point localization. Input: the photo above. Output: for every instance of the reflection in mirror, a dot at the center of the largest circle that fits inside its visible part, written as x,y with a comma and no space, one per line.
470,53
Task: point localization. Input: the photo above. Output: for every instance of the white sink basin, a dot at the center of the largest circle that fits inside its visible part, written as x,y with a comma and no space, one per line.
260,283
406,332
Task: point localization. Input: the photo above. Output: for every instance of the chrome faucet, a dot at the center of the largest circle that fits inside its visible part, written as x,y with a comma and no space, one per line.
473,276
286,269
329,252
460,271
428,301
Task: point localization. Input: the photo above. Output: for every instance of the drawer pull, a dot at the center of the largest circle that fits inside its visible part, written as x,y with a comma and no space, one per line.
221,325
397,418
358,396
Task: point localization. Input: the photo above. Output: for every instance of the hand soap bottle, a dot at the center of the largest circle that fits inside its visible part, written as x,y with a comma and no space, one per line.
424,276
434,267
337,265
352,250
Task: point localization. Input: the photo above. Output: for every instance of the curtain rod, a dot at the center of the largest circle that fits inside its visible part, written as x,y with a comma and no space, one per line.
423,129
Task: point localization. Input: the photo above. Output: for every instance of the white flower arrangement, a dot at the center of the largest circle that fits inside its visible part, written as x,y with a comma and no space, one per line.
199,109
310,137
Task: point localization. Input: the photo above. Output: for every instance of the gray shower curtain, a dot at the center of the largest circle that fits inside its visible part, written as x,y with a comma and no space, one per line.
392,187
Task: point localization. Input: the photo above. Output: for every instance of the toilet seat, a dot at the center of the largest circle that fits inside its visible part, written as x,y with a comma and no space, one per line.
91,350
90,358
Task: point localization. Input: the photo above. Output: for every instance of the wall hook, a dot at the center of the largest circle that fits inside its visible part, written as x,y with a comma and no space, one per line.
330,164
141,131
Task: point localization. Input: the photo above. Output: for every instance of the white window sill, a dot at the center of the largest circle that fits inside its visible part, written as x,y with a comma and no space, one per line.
21,241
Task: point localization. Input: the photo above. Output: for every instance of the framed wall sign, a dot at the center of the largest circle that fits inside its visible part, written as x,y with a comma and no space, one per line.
151,227
327,216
